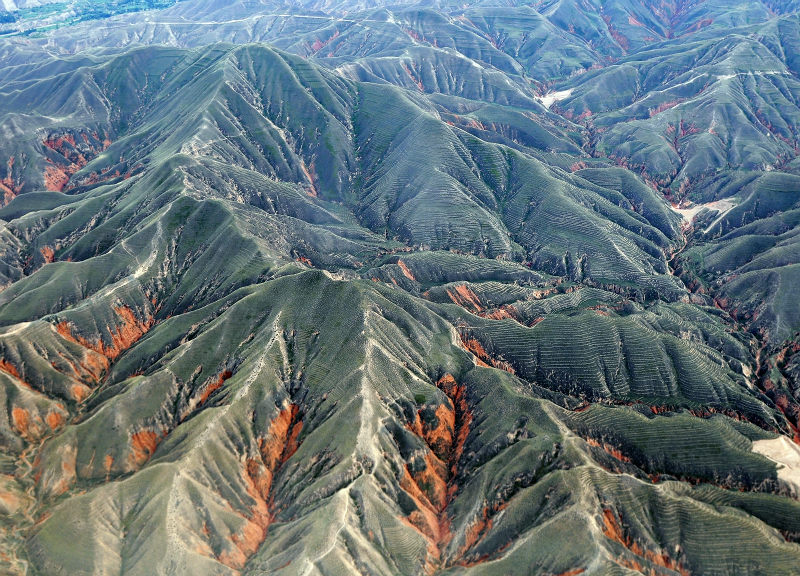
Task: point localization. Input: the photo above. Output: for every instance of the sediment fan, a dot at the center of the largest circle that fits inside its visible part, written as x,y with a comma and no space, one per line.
358,288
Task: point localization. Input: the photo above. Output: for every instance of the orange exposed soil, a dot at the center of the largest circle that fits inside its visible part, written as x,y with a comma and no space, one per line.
92,366
143,445
615,34
20,418
10,502
48,254
8,368
433,487
123,335
8,187
664,106
215,385
275,447
440,437
612,529
477,349
320,44
699,25
54,419
59,481
80,392
466,298
501,313
426,517
482,357
106,175
481,524
462,418
309,174
414,78
55,178
70,156
432,480
608,448
406,271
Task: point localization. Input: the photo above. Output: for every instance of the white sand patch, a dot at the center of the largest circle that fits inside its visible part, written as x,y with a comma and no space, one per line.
548,99
689,211
786,454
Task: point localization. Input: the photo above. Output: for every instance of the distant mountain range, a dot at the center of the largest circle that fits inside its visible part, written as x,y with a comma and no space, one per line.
424,288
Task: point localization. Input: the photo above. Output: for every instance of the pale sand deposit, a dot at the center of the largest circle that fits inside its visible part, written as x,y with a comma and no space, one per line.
548,99
786,454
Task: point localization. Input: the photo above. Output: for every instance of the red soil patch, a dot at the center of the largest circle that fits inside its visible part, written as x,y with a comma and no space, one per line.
440,436
67,473
308,172
462,418
8,368
70,156
502,313
612,450
433,487
143,445
129,330
20,418
665,106
634,22
48,254
477,350
414,78
275,447
466,298
480,525
700,24
613,530
215,385
8,186
618,38
80,392
320,44
54,419
55,178
482,357
94,365
406,271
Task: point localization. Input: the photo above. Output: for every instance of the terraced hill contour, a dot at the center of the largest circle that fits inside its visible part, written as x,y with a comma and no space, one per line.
401,290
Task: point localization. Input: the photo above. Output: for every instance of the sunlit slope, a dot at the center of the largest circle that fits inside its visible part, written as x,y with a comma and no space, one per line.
374,419
685,111
361,144
266,313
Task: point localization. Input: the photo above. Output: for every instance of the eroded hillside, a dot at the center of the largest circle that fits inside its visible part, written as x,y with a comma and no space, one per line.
338,289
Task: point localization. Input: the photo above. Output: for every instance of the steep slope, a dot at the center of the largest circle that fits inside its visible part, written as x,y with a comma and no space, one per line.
380,302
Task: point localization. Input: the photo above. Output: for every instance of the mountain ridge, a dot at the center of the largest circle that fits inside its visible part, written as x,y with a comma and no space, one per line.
357,301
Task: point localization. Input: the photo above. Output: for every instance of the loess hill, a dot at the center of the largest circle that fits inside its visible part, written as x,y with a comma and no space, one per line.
338,288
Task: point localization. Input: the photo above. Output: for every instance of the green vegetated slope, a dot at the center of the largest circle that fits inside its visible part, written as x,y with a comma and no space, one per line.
364,300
